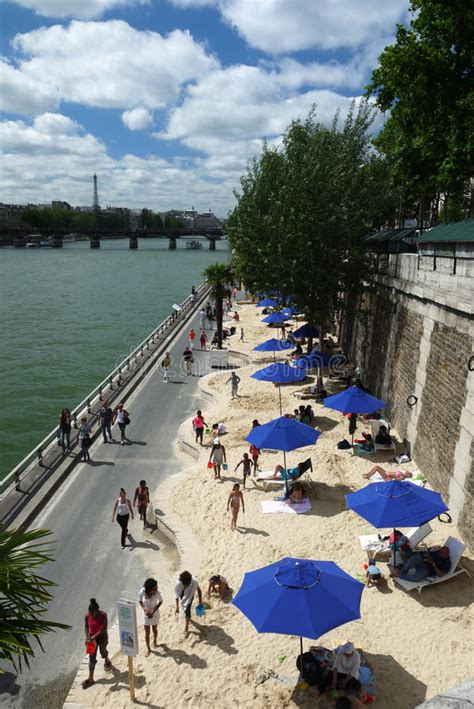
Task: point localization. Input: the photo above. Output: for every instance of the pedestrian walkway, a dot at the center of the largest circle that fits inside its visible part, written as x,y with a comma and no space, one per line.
89,559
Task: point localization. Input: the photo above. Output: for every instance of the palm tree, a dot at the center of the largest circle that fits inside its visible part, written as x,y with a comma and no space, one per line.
218,275
24,594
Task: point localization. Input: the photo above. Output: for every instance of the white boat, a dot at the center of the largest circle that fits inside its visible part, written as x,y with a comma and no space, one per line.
193,244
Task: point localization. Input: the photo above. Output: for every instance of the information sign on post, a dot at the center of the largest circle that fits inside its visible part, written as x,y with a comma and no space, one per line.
128,632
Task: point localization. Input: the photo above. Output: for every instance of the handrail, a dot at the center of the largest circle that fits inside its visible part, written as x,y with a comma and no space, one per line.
95,395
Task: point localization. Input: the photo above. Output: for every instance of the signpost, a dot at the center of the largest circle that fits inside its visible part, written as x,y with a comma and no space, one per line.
128,632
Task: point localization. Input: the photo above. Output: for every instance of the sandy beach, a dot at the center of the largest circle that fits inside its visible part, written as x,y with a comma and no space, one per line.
417,645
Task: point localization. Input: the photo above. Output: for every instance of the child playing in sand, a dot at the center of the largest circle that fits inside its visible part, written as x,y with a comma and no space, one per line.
247,465
235,498
254,452
373,575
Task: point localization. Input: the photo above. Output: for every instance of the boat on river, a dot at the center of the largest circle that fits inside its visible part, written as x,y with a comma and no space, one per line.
193,244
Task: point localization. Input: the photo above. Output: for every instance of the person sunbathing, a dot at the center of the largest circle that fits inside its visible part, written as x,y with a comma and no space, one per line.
288,474
297,493
387,475
434,562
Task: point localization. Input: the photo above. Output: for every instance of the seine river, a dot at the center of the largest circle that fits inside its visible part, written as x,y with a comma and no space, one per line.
68,316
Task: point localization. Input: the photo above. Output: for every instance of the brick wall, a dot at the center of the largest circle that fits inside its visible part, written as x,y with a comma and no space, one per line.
441,405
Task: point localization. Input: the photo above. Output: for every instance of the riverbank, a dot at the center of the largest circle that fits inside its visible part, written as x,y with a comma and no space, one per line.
417,645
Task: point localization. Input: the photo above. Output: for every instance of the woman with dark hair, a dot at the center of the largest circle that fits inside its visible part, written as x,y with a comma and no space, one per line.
150,600
85,439
65,430
95,626
122,511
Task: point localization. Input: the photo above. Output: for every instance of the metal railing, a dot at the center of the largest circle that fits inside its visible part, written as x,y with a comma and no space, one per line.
114,378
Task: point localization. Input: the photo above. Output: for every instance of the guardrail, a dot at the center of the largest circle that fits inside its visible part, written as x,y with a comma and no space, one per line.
114,379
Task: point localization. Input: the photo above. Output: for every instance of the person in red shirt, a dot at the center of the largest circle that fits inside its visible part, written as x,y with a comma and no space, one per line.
191,338
203,340
95,626
198,425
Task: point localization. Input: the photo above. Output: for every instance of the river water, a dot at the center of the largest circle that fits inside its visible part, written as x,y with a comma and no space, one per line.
67,318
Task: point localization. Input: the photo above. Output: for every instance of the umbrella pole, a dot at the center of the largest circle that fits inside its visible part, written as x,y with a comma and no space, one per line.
394,550
279,395
301,656
286,473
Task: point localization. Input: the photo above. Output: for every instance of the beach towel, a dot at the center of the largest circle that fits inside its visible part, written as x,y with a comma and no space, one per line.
273,506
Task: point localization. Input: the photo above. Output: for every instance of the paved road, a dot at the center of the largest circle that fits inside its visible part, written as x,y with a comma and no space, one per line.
89,559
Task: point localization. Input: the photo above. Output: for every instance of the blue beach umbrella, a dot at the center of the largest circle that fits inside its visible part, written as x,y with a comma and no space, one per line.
289,312
396,503
277,318
315,359
273,345
283,434
299,597
267,303
306,331
354,401
280,373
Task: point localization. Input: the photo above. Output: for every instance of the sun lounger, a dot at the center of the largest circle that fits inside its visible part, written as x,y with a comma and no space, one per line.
264,476
375,425
456,549
375,547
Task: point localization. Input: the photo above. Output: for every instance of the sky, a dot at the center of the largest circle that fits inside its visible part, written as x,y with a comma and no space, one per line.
167,100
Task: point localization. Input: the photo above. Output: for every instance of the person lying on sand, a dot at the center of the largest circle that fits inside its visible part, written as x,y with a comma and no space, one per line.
387,475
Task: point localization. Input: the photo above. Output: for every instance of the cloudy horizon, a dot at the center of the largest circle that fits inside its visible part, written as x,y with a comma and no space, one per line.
167,100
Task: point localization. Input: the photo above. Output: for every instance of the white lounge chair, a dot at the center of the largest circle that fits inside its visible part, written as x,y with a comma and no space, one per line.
374,426
264,475
373,546
456,549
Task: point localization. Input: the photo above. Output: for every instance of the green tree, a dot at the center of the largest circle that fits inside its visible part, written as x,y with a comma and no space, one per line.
218,275
174,222
303,211
24,594
426,81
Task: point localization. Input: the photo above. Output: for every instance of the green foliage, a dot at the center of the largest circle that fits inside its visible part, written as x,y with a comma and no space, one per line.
150,220
218,275
426,82
52,218
174,223
24,594
303,210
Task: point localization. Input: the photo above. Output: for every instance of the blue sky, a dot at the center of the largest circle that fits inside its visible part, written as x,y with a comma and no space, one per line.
168,99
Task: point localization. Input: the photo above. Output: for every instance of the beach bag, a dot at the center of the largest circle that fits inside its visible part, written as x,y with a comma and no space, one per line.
210,465
126,419
344,444
91,647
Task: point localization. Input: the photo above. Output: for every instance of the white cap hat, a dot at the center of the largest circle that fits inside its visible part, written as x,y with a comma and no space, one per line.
347,648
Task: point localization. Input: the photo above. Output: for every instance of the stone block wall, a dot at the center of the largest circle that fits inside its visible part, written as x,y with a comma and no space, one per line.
413,340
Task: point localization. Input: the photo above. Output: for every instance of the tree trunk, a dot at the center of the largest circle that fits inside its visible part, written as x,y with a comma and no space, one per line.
219,303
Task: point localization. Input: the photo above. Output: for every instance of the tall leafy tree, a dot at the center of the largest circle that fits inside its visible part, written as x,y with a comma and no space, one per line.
426,83
218,275
325,190
24,594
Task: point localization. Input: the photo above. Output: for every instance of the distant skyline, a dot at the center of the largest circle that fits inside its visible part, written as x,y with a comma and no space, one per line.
167,100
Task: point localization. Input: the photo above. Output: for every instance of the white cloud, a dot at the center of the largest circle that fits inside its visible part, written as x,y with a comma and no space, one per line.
20,93
137,119
106,64
81,9
281,26
54,158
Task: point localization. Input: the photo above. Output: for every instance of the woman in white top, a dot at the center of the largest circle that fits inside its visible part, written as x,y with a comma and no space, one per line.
122,512
150,600
122,417
345,668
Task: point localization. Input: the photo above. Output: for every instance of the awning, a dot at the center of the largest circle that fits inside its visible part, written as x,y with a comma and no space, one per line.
453,232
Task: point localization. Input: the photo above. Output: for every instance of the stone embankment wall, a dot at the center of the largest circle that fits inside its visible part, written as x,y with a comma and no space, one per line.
413,338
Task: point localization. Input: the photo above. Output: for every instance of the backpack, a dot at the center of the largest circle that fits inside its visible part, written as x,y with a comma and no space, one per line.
344,444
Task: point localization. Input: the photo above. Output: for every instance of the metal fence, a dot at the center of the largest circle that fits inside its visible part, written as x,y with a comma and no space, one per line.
114,381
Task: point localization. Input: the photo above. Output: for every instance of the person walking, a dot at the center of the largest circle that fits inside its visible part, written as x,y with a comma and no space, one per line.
166,364
185,589
235,294
95,627
65,430
198,426
85,439
217,457
202,318
233,503
150,600
141,500
203,340
188,361
241,334
106,415
191,338
121,512
122,417
234,384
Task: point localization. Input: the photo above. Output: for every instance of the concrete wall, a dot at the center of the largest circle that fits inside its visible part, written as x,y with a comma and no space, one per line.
414,337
